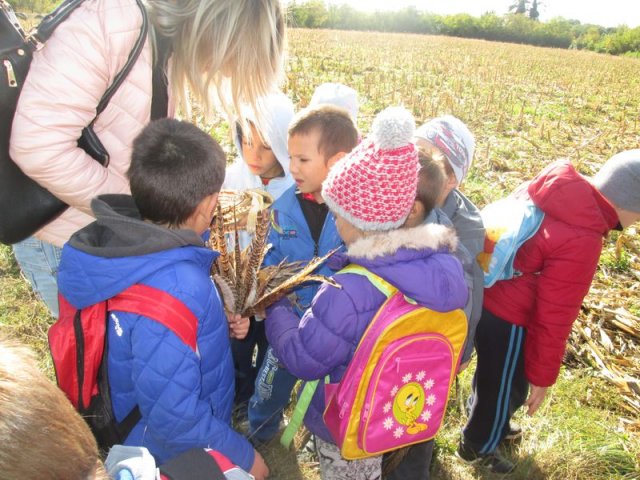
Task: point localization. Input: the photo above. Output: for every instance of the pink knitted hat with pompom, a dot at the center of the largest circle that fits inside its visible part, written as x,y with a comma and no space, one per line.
374,186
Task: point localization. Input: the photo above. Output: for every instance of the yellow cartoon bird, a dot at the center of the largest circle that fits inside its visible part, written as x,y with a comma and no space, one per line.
408,405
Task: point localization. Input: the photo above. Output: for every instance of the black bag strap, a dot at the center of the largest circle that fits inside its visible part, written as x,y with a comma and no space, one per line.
133,56
60,14
194,464
160,94
50,22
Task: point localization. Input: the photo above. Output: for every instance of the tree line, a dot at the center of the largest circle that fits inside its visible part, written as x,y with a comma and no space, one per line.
522,26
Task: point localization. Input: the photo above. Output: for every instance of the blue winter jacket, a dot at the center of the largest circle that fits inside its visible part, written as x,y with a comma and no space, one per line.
185,397
417,261
291,241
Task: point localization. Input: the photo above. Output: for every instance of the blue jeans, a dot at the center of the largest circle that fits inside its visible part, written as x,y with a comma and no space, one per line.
39,262
272,394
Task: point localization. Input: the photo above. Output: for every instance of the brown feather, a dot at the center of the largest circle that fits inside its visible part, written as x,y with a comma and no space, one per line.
226,292
289,284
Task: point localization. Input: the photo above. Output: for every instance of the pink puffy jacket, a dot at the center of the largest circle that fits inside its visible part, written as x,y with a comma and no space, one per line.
65,83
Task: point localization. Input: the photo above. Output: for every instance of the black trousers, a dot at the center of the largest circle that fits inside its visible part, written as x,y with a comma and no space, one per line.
499,386
414,465
245,370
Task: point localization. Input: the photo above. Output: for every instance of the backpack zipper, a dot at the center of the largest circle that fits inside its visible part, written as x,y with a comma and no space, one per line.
77,327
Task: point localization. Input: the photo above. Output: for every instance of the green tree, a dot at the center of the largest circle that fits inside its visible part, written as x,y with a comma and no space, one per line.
534,14
491,26
310,14
519,7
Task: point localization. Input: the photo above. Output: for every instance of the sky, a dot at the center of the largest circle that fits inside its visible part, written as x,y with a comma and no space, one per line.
608,13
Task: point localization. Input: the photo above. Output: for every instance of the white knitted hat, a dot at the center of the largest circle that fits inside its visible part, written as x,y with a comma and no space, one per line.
339,95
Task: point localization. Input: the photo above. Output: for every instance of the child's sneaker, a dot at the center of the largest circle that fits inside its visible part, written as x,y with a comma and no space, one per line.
493,461
514,433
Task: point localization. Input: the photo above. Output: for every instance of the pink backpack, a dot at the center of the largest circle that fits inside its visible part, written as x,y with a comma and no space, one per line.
394,392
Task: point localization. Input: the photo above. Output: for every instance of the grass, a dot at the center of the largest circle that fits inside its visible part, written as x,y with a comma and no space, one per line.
22,315
575,435
527,106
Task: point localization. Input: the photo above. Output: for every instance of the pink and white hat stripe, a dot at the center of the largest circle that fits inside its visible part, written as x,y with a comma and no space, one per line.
374,186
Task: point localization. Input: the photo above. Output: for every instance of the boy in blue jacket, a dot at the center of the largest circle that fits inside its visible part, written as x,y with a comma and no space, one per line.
154,238
301,228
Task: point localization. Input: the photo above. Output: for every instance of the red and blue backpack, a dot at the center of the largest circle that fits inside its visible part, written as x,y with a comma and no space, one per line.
78,344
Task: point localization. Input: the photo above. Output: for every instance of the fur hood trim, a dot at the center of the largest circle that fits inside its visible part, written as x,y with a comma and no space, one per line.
430,236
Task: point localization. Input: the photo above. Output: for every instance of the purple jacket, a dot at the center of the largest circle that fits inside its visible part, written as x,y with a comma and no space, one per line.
417,261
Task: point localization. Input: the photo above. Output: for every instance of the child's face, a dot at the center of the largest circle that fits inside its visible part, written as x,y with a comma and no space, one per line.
308,166
348,233
627,217
416,215
259,157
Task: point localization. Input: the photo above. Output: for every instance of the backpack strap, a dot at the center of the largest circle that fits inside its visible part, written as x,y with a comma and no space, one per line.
304,400
51,21
302,405
160,306
380,283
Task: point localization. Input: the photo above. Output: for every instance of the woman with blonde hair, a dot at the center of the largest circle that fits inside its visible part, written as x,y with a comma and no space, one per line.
212,52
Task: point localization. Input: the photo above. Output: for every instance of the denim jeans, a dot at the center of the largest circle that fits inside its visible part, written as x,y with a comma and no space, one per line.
272,394
39,262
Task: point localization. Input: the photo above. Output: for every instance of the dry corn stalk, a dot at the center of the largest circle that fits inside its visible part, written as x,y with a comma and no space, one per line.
244,286
606,340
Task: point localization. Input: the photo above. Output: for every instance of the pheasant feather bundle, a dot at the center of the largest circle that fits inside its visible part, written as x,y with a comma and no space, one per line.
244,286
242,208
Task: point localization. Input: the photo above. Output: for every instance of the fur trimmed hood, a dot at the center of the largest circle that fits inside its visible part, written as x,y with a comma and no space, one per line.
411,258
430,236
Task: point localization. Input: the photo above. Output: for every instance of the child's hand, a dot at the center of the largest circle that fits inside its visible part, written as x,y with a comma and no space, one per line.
259,470
536,397
239,326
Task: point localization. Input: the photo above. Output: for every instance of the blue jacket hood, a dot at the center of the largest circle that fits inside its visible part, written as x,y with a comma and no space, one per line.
119,249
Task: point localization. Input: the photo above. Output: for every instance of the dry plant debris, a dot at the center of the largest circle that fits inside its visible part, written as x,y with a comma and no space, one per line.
606,336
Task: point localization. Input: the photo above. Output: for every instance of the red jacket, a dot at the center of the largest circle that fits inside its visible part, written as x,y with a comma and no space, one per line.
557,264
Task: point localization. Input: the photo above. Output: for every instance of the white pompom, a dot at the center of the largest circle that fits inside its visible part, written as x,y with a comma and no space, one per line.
393,128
